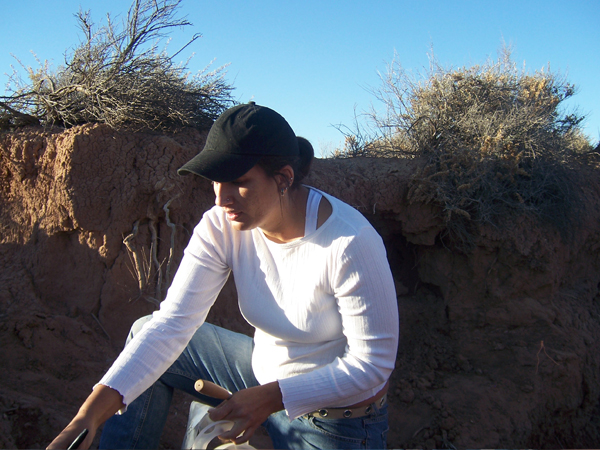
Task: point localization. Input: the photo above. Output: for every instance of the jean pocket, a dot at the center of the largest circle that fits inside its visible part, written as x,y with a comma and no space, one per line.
338,433
384,435
377,430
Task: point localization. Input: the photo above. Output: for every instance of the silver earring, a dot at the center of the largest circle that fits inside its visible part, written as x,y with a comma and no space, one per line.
227,199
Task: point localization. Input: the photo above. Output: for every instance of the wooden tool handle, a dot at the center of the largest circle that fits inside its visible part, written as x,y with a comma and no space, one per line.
212,390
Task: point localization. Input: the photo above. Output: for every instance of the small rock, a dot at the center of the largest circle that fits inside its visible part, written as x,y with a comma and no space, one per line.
464,363
448,423
406,395
430,376
423,383
432,362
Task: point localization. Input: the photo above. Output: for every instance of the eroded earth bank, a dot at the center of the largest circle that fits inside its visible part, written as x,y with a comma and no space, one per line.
499,345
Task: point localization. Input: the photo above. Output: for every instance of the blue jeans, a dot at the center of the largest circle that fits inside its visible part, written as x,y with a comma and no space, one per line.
224,357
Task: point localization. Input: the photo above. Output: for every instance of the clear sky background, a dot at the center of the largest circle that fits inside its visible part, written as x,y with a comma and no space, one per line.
316,61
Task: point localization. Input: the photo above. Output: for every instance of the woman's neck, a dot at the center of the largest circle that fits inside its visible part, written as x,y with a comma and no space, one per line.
290,227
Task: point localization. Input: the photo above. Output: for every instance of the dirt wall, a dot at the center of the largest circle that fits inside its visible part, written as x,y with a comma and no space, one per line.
499,347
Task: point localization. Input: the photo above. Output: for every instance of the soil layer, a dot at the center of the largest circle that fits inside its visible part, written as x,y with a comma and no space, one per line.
499,348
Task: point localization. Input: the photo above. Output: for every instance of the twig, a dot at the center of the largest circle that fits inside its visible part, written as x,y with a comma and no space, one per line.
154,258
134,253
171,225
25,118
417,432
542,347
100,324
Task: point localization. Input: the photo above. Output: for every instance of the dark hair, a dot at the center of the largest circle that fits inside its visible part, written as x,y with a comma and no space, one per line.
301,163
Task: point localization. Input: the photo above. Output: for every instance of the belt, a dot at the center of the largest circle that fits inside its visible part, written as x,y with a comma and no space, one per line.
347,413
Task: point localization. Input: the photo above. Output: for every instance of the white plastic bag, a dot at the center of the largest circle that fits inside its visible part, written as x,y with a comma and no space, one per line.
201,430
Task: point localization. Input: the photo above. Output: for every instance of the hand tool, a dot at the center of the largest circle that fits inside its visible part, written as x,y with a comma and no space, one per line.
212,390
78,440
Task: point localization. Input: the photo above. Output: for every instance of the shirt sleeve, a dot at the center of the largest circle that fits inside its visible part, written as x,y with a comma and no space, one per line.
196,285
366,298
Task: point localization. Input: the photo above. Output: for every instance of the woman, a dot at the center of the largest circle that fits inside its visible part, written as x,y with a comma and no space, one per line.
312,278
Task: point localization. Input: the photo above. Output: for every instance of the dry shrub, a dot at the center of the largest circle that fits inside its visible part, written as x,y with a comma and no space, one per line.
495,141
117,76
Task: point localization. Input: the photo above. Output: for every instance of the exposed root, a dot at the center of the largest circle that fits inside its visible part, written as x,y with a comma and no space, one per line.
137,261
147,265
171,225
154,260
101,326
542,347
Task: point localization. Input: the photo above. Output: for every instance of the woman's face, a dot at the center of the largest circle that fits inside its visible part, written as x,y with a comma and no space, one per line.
250,201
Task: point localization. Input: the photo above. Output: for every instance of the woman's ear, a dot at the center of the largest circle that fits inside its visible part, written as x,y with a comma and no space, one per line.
285,177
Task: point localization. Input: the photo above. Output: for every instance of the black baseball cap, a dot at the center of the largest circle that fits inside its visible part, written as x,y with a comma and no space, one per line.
238,139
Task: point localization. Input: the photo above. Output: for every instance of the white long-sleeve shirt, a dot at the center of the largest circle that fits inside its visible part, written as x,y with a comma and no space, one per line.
324,308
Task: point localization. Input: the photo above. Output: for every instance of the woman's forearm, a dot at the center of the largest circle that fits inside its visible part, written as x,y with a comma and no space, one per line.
102,403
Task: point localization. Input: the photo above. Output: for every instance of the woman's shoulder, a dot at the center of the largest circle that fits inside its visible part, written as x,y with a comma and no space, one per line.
343,216
214,226
212,217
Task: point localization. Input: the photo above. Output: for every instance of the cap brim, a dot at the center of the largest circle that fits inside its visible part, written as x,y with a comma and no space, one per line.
218,166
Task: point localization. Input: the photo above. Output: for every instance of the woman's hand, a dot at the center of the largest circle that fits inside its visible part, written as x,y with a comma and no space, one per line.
70,433
102,403
248,409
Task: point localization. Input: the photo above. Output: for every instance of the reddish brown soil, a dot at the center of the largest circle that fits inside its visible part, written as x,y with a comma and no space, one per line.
499,347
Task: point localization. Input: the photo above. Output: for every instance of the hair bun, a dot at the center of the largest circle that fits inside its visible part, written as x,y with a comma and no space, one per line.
306,156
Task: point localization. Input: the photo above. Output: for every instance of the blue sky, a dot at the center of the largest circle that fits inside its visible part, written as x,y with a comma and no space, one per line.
316,61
